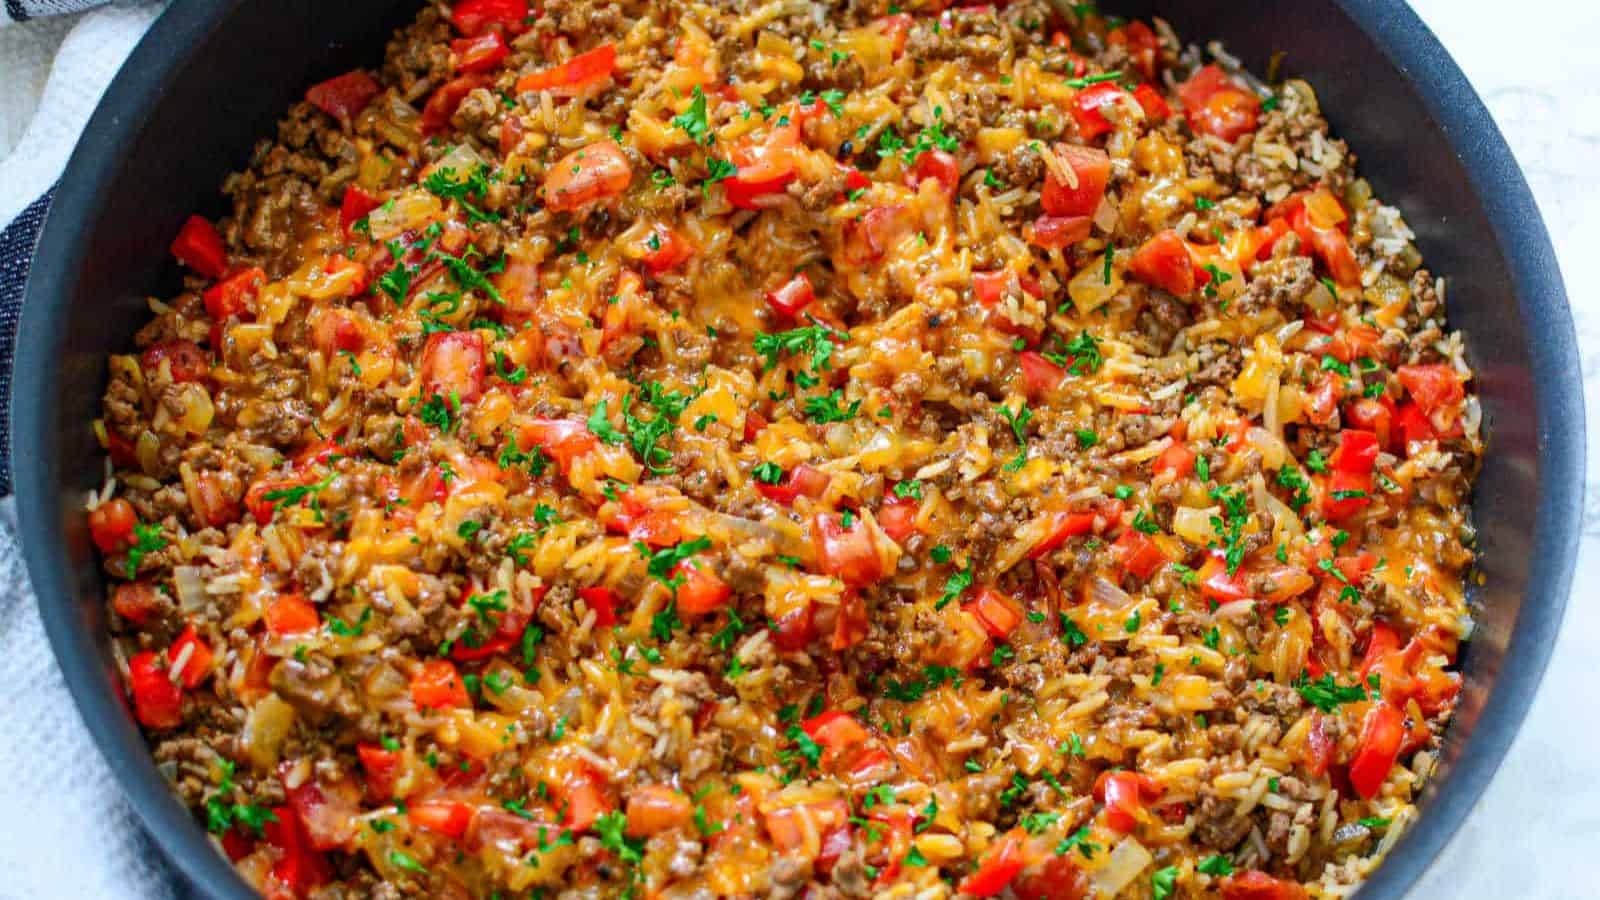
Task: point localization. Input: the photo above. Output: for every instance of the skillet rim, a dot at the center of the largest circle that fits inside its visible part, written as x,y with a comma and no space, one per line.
1409,49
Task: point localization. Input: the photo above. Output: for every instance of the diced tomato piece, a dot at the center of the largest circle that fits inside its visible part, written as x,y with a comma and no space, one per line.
441,106
1333,248
1000,864
603,601
184,359
850,625
765,166
1379,746
1345,493
1053,878
453,366
585,798
897,28
665,250
1412,425
836,731
111,525
473,17
702,590
437,685
327,810
1177,459
382,768
1088,105
1434,387
1164,262
793,296
795,629
1142,45
1323,400
1320,746
200,247
1061,526
291,614
1124,794
563,440
157,702
575,76
1091,171
597,172
135,601
196,656
1215,582
655,808
849,554
1217,105
344,96
1376,416
299,869
447,817
479,54
1040,376
878,230
940,166
1059,232
998,614
898,518
990,287
1257,885
1139,555
232,295
1150,100
1357,452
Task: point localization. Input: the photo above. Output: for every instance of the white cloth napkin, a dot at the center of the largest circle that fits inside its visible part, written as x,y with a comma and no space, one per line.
65,828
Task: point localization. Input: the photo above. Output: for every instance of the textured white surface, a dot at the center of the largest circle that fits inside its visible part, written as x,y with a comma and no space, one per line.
1534,834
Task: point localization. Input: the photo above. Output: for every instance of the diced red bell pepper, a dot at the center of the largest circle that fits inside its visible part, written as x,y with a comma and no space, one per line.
594,173
197,657
231,296
1088,105
299,868
1434,387
835,730
1258,885
1333,248
111,525
382,768
849,554
603,601
1091,171
997,869
454,365
576,75
1320,746
1059,232
654,808
1150,100
701,590
437,685
850,625
1357,452
793,296
1412,425
157,702
1215,582
898,518
1139,555
479,54
355,206
1124,795
997,613
1377,750
291,614
1040,376
1217,105
200,247
1164,261
938,165
447,817
1062,525
585,799
344,96
1052,878
1177,459
473,17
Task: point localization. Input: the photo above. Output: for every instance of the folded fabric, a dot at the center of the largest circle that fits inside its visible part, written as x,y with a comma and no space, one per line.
23,10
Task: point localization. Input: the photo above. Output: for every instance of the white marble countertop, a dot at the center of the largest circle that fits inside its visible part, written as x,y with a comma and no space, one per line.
1536,832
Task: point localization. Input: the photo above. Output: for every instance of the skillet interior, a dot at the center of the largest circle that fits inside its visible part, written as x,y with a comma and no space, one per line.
212,77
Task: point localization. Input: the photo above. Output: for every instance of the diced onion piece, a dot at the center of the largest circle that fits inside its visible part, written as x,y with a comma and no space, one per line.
1126,861
1090,290
1194,525
191,588
265,729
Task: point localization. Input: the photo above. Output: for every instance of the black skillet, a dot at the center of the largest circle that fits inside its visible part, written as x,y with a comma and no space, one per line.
212,76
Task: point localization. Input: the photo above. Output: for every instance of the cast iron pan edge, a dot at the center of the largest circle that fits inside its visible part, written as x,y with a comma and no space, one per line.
54,455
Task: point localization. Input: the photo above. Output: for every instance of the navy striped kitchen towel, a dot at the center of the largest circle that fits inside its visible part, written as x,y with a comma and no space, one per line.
16,256
23,10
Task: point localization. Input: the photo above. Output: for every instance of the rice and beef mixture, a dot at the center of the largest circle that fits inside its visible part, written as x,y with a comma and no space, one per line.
706,448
